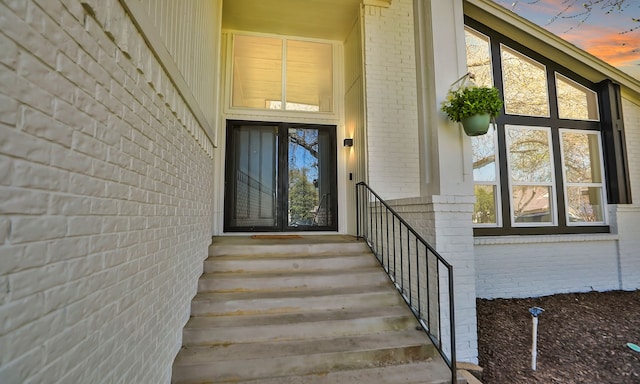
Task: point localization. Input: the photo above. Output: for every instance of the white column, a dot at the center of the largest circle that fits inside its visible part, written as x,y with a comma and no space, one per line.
446,183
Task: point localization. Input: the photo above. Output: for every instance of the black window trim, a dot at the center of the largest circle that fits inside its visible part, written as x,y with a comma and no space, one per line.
609,125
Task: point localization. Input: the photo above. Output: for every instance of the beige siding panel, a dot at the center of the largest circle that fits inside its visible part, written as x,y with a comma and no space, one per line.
354,104
354,114
190,31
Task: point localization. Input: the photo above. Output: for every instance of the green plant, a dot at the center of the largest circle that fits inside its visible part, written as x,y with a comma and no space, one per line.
472,100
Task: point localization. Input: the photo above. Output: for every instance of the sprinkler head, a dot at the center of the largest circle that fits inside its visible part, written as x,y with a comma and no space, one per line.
535,311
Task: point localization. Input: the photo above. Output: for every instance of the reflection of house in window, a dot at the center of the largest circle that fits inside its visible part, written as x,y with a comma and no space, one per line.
552,175
531,205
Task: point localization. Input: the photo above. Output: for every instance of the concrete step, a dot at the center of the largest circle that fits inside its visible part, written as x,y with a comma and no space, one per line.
245,361
305,245
281,263
214,330
274,281
251,303
432,371
309,309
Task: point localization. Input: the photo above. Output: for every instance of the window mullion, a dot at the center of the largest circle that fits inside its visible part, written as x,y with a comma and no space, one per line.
560,190
283,106
505,192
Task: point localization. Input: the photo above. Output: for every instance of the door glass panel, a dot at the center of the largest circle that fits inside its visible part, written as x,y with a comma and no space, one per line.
280,177
253,183
309,76
311,167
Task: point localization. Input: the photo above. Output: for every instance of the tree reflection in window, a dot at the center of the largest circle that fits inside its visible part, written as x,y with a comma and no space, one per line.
525,85
479,57
485,177
575,101
531,174
583,176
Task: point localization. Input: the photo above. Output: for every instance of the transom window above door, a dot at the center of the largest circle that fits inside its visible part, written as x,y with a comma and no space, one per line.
283,74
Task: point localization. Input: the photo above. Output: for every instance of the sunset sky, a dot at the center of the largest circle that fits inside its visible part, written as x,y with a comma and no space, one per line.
601,34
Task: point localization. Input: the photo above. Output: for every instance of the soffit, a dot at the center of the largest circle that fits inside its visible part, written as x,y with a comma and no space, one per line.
540,40
320,19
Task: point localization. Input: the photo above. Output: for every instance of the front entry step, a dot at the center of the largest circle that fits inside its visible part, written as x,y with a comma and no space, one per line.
315,309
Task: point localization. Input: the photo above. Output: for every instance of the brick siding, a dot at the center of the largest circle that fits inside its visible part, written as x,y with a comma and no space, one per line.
105,200
391,100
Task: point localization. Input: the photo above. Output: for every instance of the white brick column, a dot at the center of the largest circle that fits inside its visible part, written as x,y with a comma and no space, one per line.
627,219
446,179
390,99
445,223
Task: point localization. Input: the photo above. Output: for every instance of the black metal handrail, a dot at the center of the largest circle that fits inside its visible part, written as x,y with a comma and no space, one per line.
413,266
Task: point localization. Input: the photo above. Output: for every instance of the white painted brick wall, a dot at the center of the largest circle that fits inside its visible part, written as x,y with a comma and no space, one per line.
444,221
628,217
631,113
628,222
391,99
105,200
531,266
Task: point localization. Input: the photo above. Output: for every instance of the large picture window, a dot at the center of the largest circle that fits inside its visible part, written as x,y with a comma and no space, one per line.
540,169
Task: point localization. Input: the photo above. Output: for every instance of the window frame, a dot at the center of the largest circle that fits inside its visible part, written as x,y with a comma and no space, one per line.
561,225
495,183
602,184
229,108
552,184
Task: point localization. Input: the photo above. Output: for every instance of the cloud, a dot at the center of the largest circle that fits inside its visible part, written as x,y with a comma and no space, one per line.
606,43
599,34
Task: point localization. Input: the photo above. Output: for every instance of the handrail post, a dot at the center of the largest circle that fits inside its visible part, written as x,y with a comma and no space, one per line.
452,324
357,211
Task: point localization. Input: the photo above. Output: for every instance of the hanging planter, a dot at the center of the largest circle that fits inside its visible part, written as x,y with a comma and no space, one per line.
472,105
476,125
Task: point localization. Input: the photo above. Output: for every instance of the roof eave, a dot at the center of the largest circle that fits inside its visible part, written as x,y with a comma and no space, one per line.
525,32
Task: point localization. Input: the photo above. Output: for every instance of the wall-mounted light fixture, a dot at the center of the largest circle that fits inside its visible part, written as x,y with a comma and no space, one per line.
348,142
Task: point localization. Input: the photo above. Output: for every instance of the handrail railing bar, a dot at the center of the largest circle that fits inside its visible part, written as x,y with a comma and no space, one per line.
409,267
452,320
381,237
401,262
394,248
426,256
418,277
370,215
409,227
439,305
358,213
375,236
386,227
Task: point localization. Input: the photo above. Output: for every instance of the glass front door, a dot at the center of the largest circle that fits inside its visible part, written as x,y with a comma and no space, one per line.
280,177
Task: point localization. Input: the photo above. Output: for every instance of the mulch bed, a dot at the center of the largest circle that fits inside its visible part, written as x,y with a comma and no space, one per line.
581,339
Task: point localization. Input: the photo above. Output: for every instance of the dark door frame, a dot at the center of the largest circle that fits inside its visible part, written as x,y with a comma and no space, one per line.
282,175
